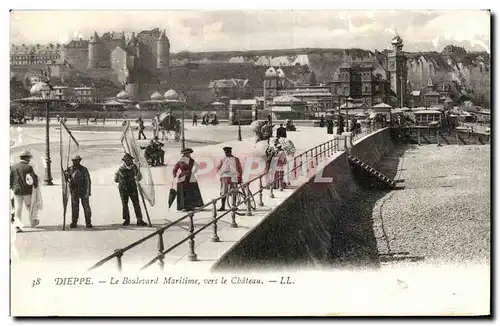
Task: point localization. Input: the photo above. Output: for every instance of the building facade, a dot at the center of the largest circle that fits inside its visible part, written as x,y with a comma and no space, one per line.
83,94
365,82
231,88
26,55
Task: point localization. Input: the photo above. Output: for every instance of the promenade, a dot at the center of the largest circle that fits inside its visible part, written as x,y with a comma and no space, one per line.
49,244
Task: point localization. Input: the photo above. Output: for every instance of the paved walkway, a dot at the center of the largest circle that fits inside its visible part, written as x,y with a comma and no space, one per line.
48,243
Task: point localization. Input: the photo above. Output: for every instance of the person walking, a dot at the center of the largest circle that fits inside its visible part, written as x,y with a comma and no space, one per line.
329,127
25,186
126,177
188,191
279,174
141,128
230,171
195,120
79,181
281,131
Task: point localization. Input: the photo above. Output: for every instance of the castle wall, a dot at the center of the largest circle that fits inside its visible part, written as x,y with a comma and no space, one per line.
77,57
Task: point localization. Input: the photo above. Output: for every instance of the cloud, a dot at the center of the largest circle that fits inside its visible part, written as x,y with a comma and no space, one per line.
245,30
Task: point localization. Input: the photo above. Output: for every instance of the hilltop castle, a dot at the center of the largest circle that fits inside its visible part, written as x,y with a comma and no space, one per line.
141,59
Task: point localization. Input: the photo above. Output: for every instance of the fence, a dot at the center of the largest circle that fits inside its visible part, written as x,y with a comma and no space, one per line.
304,161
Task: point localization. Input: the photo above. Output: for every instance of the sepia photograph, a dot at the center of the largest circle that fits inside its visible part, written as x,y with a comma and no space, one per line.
251,156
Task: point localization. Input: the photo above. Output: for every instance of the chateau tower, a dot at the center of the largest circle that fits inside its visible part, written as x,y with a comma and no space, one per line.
397,69
162,51
94,51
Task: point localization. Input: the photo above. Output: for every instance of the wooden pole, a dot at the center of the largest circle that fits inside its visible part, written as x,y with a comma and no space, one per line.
145,207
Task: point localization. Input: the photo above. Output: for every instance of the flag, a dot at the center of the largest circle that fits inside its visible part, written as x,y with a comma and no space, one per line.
68,146
146,185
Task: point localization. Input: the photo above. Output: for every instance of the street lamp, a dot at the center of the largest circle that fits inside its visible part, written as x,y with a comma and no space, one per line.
183,139
44,89
239,120
347,105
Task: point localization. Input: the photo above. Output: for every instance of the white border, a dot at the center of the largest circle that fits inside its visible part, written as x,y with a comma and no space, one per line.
214,4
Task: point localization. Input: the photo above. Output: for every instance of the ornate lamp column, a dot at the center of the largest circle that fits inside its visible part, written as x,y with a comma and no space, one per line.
44,90
239,120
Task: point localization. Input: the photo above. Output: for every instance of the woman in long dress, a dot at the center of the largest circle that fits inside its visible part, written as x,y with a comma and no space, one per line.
188,191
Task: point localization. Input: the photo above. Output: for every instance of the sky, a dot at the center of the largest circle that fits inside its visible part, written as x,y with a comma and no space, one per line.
197,31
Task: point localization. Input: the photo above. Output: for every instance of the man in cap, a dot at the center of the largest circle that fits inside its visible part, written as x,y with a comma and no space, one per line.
126,177
153,153
79,181
22,181
230,171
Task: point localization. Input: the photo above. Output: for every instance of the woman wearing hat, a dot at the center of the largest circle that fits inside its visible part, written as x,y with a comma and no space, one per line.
188,191
126,177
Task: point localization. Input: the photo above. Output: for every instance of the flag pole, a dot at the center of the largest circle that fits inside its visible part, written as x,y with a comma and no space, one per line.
145,207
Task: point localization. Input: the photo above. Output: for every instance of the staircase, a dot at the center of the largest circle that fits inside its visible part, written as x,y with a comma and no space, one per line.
370,170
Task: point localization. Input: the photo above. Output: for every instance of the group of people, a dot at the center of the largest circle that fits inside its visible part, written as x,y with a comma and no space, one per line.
230,172
24,184
207,119
153,152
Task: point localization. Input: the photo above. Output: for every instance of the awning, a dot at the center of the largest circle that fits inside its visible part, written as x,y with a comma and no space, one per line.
281,109
382,106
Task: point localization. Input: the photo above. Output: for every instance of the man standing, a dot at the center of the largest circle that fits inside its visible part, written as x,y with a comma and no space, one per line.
22,181
126,177
78,178
230,171
155,124
141,128
281,132
195,119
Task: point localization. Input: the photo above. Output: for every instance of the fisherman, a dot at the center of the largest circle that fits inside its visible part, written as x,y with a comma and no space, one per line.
23,181
230,171
141,128
126,177
79,181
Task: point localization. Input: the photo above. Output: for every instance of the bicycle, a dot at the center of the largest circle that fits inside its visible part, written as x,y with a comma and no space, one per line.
241,197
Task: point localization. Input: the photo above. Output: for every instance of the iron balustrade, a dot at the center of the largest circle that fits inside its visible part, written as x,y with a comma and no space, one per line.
311,156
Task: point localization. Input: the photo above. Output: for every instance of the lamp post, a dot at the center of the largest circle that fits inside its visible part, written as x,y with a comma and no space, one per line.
239,119
183,139
347,105
44,90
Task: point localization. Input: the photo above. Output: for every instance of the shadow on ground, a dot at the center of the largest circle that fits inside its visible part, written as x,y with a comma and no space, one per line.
354,243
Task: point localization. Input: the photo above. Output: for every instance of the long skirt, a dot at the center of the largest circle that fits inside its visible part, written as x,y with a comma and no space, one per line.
188,195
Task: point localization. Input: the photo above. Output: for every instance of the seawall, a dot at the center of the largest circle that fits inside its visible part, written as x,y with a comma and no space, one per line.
302,230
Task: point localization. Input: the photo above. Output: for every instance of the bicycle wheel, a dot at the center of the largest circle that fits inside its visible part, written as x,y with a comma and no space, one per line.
239,199
253,204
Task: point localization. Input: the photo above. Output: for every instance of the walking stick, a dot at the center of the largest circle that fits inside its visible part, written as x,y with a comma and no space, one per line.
145,207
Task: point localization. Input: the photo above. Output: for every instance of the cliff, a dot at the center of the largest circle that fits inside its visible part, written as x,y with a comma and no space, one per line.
468,72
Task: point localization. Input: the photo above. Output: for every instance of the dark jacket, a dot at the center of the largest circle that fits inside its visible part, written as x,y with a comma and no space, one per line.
125,177
281,132
79,181
18,173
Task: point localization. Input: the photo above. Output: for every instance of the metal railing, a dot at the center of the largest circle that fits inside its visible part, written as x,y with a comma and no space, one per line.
303,162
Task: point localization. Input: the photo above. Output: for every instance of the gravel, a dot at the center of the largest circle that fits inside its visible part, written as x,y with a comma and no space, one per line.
443,213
